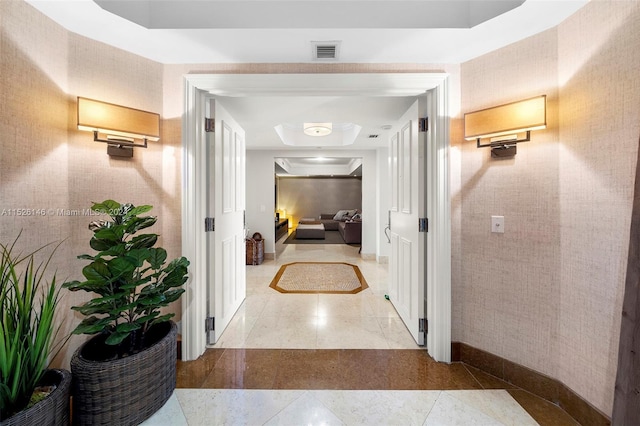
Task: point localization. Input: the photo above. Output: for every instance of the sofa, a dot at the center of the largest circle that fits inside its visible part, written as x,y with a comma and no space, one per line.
347,222
329,223
351,231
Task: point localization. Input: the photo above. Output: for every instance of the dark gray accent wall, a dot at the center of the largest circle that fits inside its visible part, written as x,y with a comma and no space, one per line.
311,196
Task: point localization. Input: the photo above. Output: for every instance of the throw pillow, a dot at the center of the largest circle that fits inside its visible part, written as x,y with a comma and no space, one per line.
356,216
340,215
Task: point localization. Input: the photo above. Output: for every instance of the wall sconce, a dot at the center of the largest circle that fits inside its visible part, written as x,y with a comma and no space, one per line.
502,124
121,126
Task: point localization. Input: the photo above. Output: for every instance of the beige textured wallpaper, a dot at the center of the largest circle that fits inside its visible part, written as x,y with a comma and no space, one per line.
46,164
509,282
547,293
599,59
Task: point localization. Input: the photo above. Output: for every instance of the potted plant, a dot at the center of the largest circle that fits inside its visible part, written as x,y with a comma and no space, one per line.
127,371
29,393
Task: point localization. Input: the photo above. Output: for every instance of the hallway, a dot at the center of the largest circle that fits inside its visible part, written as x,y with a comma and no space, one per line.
335,359
269,319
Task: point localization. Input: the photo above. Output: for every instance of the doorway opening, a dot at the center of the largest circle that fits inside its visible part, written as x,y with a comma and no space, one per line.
200,88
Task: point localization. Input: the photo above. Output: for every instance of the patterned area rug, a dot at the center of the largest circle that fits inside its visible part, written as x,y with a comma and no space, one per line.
319,277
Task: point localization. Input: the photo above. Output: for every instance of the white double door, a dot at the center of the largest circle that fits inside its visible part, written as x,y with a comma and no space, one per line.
226,272
407,265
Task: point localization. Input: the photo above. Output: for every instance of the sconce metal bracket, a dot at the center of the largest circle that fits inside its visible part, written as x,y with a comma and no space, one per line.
119,151
504,148
498,143
504,151
119,142
119,147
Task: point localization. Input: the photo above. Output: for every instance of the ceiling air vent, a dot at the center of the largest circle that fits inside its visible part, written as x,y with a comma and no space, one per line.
325,50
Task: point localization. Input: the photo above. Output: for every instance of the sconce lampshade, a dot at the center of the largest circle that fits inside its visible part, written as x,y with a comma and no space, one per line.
116,120
516,117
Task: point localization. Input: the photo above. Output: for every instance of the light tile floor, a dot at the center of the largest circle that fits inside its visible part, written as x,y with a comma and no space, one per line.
334,407
366,320
269,319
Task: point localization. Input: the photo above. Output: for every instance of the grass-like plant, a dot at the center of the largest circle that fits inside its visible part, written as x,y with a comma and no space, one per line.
27,326
129,275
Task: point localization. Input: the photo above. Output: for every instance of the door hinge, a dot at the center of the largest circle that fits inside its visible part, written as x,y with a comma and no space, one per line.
209,324
209,224
423,124
209,124
423,325
423,224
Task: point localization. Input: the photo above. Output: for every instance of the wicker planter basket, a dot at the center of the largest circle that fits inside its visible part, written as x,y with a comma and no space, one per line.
125,391
53,410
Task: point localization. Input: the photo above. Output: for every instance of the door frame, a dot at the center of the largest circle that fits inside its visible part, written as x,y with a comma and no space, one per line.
198,88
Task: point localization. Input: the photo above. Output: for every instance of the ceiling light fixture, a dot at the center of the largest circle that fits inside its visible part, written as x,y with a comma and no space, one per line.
317,129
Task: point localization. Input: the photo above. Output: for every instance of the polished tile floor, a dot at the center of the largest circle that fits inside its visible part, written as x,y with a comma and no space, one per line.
269,319
293,359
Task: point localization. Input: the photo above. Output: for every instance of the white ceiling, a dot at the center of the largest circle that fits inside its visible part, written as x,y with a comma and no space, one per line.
308,13
419,31
259,115
277,31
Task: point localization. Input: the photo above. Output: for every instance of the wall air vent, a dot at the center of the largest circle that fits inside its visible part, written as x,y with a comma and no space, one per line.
373,136
325,50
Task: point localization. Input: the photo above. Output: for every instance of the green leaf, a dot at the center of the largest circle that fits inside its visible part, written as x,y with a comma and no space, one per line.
116,250
175,278
101,245
91,325
157,257
101,305
96,271
163,318
143,319
143,241
139,256
151,300
99,224
108,206
127,327
135,224
86,257
120,308
180,262
97,286
135,211
116,338
173,295
73,285
134,284
114,233
121,266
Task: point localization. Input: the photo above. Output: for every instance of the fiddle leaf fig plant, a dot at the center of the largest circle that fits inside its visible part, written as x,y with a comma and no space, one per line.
131,277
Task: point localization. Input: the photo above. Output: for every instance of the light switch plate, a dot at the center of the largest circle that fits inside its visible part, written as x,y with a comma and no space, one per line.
497,224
